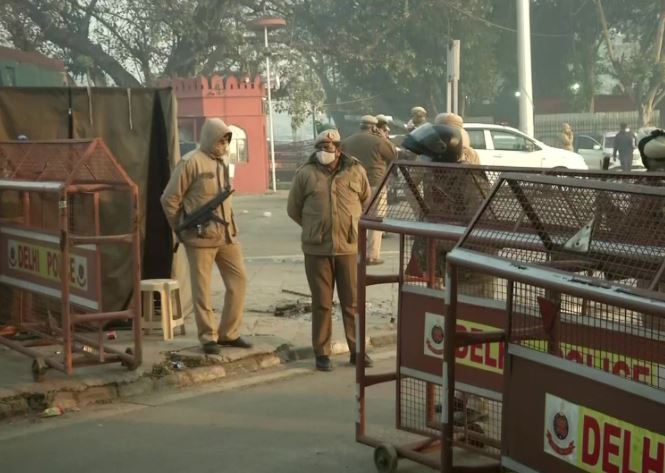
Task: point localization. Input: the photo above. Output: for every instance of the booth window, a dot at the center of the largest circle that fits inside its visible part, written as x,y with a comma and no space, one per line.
11,75
238,151
186,131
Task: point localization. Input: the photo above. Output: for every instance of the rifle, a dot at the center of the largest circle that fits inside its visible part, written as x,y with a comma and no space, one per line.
203,214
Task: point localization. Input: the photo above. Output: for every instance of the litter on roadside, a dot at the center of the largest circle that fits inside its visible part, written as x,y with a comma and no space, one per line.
52,412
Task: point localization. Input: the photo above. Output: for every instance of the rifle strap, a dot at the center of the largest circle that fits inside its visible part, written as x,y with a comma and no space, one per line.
227,176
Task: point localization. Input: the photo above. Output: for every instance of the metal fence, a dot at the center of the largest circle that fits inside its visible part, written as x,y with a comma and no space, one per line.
548,127
431,206
67,209
580,262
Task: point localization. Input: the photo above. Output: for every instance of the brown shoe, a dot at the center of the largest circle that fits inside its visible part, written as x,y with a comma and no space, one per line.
374,261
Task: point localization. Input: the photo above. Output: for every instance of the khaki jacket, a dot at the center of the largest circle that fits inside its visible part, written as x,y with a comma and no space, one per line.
374,152
567,139
328,204
469,156
197,178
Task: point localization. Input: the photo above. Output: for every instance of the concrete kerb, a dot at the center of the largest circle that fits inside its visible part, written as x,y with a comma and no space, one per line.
68,395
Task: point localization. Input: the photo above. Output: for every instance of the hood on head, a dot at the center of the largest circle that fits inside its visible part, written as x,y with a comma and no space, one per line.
212,131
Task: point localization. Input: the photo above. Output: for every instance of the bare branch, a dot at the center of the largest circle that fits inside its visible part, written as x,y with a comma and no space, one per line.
83,45
658,99
618,67
658,49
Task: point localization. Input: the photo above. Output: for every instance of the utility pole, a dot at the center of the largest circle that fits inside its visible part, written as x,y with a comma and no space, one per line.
269,23
524,66
270,115
453,62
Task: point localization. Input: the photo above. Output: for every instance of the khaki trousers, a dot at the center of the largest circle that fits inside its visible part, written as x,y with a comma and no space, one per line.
374,236
229,260
323,272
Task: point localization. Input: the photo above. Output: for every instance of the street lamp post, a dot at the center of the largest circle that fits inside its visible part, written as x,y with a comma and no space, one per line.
524,66
269,23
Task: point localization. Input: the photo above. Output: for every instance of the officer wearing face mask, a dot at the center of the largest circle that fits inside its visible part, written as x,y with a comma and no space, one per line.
326,199
199,177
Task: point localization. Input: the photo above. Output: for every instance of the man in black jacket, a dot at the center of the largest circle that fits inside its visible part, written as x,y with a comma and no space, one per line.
624,144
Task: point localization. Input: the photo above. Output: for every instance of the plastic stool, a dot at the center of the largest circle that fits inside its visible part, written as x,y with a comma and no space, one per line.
170,315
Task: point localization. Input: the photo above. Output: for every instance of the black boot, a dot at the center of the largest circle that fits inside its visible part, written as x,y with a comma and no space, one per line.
323,363
368,361
211,348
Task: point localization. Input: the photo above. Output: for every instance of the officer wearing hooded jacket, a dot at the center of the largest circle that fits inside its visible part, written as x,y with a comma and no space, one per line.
199,177
326,199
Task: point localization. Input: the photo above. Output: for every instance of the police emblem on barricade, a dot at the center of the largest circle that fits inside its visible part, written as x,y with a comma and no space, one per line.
433,345
561,428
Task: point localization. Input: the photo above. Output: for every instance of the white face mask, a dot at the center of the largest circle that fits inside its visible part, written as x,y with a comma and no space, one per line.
325,157
220,151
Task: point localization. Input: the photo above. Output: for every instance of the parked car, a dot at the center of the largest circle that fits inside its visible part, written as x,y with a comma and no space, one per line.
590,149
499,145
608,150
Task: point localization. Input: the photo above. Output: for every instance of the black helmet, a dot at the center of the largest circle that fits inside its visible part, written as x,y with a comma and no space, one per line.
652,149
442,143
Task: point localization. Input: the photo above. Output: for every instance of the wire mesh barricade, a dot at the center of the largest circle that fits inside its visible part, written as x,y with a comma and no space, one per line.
68,210
430,205
582,338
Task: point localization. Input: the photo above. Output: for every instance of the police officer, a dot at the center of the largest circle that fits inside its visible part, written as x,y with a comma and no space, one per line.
418,118
200,176
624,144
326,199
652,149
375,152
469,155
382,125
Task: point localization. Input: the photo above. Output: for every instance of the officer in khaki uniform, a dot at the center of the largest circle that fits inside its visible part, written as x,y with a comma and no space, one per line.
469,155
382,125
418,118
199,177
326,199
375,152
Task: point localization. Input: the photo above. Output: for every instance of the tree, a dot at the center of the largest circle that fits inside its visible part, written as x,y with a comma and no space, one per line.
391,58
633,37
132,41
347,56
566,38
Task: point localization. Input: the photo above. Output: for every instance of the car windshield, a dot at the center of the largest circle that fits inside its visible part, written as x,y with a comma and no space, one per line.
609,142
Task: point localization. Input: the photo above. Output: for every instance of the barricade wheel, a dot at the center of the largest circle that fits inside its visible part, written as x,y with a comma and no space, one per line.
385,458
130,366
39,368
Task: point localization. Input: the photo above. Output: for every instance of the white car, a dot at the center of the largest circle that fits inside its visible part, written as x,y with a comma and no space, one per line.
499,145
591,150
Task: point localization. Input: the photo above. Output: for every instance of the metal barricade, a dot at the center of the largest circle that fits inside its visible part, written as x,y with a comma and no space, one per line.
582,337
430,206
66,207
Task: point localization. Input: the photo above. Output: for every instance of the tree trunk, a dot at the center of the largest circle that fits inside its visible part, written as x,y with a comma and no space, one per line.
646,112
590,77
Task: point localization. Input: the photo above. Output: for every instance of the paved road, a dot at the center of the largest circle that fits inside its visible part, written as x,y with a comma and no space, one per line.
292,420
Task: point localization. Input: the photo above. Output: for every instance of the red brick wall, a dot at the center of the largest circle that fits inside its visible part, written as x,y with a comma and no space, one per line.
237,102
